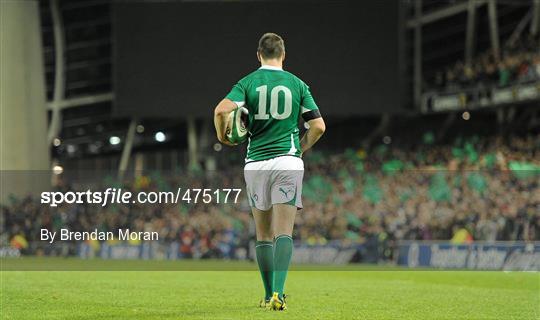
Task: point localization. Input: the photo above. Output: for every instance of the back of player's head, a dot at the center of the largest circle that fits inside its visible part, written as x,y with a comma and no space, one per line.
271,46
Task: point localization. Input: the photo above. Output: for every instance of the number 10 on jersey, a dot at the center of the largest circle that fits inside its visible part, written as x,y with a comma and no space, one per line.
274,101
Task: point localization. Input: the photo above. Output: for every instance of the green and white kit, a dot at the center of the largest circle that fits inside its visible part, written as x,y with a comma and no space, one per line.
275,99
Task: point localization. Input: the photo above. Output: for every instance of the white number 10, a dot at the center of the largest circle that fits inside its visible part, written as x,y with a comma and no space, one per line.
274,98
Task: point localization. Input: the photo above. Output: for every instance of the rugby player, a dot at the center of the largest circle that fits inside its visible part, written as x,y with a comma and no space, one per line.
274,169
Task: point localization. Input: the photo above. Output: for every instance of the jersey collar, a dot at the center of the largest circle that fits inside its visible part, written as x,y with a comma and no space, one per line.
266,67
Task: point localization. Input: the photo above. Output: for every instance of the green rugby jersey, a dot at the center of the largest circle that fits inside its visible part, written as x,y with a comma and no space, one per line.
275,99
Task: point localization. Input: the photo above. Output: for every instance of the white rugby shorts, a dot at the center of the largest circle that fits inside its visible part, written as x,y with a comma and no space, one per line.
274,181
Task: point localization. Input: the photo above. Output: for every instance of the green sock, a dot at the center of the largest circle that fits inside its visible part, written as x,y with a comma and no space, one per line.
265,259
283,246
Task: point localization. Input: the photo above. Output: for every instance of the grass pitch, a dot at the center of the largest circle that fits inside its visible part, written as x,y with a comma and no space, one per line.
333,293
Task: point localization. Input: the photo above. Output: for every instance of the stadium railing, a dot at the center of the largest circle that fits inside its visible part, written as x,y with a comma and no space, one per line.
480,97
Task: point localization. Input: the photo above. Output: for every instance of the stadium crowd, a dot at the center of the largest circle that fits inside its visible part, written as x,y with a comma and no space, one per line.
519,62
483,190
476,189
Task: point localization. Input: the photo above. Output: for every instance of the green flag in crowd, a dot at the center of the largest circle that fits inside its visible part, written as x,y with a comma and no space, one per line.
439,190
237,225
359,166
477,182
489,160
351,235
372,192
471,153
392,166
338,201
317,188
353,220
523,170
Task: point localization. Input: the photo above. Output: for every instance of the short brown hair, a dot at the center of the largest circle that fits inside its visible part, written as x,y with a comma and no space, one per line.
271,46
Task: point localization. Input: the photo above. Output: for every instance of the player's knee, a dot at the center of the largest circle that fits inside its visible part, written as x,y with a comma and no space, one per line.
282,230
277,234
266,236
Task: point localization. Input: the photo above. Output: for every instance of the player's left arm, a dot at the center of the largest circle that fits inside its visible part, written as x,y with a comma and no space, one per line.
221,112
312,116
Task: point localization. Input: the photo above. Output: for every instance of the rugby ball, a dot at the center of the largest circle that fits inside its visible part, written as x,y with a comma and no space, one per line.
237,130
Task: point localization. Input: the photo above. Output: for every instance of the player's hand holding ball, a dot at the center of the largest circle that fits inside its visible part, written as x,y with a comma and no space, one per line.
237,123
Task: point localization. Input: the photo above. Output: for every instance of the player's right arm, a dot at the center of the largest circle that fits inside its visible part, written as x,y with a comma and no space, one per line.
312,116
236,98
221,112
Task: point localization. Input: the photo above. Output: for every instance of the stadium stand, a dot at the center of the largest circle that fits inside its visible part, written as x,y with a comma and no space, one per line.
474,189
520,62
